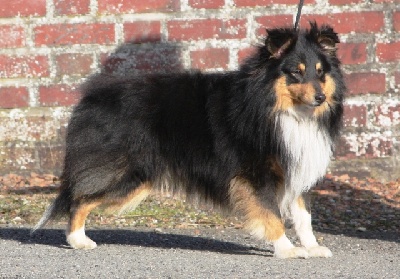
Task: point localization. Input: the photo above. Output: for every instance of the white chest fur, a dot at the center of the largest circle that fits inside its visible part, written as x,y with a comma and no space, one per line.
308,150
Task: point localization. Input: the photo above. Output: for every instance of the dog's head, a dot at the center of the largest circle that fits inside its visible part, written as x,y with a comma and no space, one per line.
307,65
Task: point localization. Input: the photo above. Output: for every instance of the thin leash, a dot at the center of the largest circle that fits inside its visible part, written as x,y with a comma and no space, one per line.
299,7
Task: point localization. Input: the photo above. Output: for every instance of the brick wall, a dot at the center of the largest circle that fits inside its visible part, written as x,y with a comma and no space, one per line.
48,47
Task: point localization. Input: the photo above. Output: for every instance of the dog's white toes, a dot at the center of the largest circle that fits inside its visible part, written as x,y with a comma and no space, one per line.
295,252
319,251
79,241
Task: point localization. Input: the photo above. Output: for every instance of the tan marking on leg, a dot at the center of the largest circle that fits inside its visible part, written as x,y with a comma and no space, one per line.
76,227
133,199
260,221
78,218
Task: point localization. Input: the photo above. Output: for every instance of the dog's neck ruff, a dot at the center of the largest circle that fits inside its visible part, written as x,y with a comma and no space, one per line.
307,150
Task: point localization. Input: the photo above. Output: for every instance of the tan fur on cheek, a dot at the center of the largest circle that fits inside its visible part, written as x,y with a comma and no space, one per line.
288,96
302,93
328,88
284,99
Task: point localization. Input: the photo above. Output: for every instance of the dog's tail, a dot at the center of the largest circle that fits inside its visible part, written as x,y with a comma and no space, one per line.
60,206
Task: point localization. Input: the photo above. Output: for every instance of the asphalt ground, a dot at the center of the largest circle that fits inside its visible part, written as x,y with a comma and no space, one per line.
191,253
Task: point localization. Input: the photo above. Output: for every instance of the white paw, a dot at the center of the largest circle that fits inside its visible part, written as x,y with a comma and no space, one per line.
78,240
294,252
319,251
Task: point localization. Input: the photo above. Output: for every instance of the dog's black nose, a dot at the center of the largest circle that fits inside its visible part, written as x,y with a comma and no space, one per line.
320,98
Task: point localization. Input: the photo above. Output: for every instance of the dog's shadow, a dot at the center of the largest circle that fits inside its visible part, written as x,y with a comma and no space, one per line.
56,237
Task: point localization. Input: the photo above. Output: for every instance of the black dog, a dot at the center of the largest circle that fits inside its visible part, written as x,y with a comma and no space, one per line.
252,140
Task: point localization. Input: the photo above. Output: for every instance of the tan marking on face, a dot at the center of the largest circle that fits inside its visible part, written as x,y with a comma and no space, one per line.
293,94
328,88
284,100
305,93
318,66
302,68
260,221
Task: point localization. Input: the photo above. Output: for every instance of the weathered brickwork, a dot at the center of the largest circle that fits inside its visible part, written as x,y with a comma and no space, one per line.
49,47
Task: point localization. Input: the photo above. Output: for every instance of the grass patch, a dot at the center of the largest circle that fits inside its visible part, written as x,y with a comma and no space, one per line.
154,212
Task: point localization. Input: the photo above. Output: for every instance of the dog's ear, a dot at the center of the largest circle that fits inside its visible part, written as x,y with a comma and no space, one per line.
279,41
325,37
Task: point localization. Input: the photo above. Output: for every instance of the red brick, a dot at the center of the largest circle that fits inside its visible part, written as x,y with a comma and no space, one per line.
389,52
23,66
13,97
22,8
11,36
267,22
344,2
206,4
15,158
58,95
71,7
388,115
244,53
364,146
254,3
352,53
361,83
137,6
397,78
199,29
38,126
68,34
51,158
358,22
212,58
142,31
73,64
355,116
396,21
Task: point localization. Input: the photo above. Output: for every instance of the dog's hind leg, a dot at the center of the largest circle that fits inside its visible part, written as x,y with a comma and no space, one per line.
75,232
263,220
133,199
301,217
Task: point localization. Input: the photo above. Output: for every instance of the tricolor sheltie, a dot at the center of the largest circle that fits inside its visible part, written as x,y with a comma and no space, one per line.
253,141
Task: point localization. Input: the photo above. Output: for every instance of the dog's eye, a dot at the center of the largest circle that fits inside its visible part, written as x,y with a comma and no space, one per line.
320,72
296,73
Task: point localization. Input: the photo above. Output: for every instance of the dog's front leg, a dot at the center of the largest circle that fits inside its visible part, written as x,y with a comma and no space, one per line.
301,217
262,218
